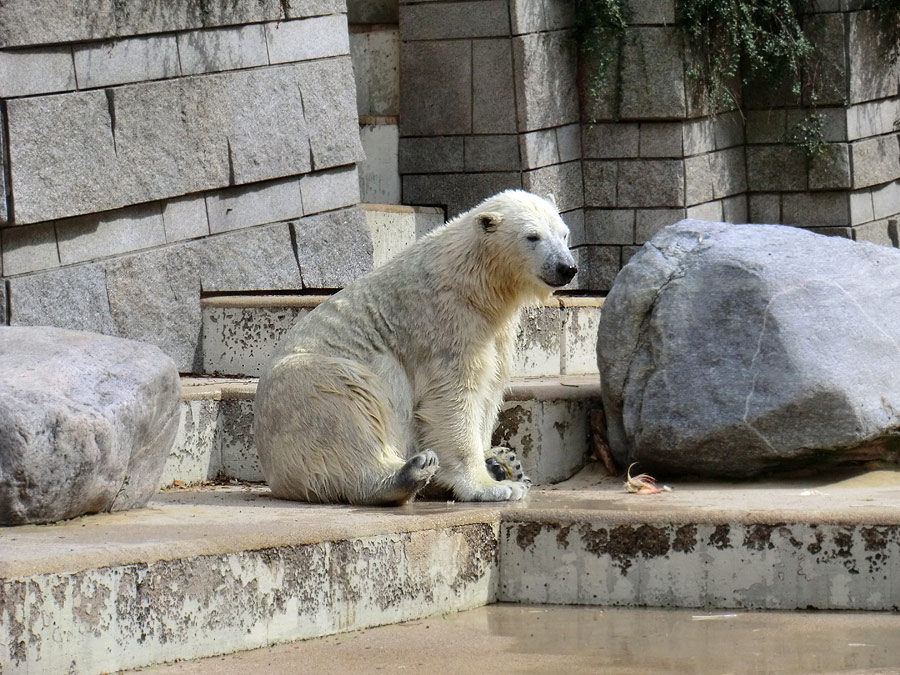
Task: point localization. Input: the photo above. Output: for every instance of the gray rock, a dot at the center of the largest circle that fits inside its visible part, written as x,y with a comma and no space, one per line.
444,110
29,22
86,423
732,350
254,259
493,87
62,156
653,74
545,68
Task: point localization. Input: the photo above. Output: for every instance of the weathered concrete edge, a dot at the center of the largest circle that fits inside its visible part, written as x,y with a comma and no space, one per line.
273,301
106,619
561,388
749,566
161,549
278,301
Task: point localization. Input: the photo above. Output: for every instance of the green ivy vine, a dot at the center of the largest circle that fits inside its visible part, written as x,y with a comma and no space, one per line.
599,28
730,43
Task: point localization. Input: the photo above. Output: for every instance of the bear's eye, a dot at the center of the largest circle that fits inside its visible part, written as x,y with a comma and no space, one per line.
533,237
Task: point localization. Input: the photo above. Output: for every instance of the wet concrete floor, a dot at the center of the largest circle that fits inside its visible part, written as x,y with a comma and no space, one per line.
509,638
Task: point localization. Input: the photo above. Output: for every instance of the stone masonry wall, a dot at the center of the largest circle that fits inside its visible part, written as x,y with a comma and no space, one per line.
853,189
496,105
489,102
154,150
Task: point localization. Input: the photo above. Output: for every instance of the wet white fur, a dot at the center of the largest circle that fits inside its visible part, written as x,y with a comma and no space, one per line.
415,355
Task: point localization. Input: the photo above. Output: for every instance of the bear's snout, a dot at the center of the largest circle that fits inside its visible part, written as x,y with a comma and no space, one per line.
566,272
559,274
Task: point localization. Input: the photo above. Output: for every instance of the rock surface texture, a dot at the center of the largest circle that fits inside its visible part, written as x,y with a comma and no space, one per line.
733,350
86,423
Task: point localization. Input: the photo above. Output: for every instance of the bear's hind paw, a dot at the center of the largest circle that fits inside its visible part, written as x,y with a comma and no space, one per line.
417,472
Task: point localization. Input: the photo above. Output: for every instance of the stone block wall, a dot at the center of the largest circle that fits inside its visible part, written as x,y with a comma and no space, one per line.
853,188
159,149
489,102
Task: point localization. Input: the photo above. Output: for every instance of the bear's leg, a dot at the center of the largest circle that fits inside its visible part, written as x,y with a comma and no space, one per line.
325,432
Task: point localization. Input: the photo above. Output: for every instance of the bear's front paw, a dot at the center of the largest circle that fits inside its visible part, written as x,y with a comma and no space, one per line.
502,491
503,465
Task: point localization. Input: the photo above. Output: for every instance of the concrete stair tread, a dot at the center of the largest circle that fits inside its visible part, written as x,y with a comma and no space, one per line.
214,519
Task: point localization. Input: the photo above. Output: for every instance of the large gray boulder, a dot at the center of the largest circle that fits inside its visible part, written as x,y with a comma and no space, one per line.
731,350
86,423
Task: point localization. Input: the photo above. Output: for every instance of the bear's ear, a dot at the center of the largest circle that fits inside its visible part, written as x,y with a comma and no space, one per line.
489,220
552,199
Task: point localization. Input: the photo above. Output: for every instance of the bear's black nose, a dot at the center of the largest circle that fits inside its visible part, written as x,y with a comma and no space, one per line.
566,271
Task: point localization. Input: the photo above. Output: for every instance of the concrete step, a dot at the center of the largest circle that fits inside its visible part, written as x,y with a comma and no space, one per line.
241,332
545,420
212,571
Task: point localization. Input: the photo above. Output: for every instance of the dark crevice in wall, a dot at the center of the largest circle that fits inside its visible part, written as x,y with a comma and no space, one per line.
293,232
7,304
230,163
6,183
111,107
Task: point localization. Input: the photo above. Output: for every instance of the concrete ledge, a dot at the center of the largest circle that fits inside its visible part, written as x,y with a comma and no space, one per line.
267,301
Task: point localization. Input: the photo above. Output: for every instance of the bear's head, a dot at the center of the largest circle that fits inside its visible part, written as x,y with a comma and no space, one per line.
528,239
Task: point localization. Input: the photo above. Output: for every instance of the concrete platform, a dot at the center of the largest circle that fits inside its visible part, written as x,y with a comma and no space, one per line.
216,570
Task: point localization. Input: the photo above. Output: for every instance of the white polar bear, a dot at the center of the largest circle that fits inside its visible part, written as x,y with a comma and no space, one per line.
399,378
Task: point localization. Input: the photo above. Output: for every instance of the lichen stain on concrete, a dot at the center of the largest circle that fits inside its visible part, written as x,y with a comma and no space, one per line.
759,537
340,570
876,541
562,537
483,553
685,539
91,604
508,425
843,542
721,537
12,596
303,574
624,543
526,534
786,532
816,547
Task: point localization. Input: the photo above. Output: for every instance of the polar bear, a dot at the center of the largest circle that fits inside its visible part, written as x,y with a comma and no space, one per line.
398,379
